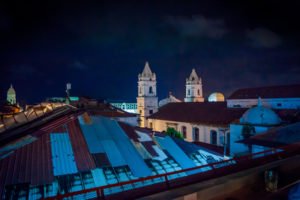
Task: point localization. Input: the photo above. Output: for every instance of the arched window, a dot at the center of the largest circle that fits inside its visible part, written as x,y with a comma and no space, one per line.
189,92
198,92
150,90
196,134
183,131
213,137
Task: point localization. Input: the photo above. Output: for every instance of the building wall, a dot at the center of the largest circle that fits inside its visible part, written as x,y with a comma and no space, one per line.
204,130
145,107
275,103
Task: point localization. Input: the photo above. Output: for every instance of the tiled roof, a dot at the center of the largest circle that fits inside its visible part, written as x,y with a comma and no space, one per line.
283,91
211,113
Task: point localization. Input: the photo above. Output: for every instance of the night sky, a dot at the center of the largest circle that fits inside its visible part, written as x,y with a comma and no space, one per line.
100,47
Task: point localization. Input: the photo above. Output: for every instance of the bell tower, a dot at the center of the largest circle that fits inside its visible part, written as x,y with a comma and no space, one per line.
193,88
11,95
147,101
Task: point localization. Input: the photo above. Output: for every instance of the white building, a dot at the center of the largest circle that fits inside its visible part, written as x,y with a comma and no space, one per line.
256,120
147,101
193,88
206,122
276,97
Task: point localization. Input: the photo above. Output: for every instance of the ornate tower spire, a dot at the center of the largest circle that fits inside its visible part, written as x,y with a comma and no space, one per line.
147,73
193,88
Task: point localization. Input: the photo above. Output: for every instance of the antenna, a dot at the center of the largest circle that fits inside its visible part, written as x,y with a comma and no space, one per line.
68,88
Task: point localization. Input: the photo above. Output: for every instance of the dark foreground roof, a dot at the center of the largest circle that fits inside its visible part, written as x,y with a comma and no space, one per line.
276,137
283,91
210,113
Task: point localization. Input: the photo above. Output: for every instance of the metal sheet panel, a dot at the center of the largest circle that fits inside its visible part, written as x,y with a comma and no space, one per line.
128,151
91,138
83,158
181,158
114,155
62,154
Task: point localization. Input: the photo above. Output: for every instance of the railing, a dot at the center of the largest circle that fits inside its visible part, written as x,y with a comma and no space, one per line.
217,169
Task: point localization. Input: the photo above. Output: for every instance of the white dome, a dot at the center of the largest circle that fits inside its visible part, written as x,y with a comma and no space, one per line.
216,97
260,115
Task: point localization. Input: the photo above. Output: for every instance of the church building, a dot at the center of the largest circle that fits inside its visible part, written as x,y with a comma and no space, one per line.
147,101
11,96
193,88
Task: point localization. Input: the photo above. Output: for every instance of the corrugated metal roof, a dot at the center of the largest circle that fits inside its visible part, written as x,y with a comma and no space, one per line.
129,130
113,153
101,160
181,158
128,151
83,158
62,154
29,164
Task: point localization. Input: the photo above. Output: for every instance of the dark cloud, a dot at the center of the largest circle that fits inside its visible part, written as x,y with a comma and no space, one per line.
262,37
198,26
24,71
79,66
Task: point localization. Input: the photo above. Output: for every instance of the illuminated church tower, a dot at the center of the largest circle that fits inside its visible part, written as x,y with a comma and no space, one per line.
193,88
11,96
147,102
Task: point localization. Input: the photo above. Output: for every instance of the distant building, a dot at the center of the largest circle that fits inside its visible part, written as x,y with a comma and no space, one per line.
193,88
11,96
276,97
170,99
256,120
128,107
206,122
147,101
216,97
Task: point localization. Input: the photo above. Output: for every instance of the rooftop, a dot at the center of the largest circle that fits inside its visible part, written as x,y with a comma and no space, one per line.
281,91
76,152
211,113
